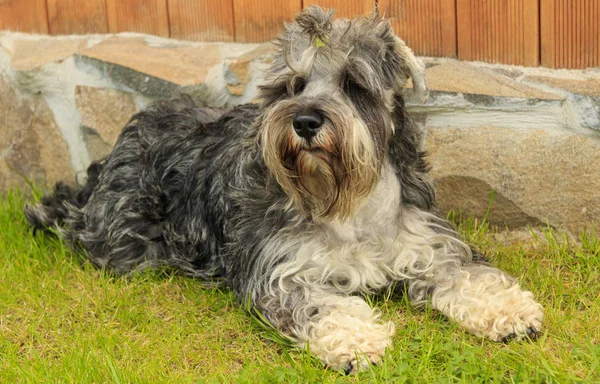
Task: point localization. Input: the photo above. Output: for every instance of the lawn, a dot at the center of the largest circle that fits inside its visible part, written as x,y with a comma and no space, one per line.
63,321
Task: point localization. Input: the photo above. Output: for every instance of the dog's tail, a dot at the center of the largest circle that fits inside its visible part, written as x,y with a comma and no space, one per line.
53,209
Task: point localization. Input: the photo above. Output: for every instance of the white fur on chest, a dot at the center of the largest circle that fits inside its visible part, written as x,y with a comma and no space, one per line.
378,217
383,242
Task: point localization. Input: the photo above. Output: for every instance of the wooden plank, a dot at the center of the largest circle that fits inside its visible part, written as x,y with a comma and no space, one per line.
448,28
507,48
499,31
24,16
569,33
581,33
480,11
558,29
578,21
467,30
504,20
262,20
490,32
587,37
416,10
145,16
426,38
470,30
596,25
344,8
558,34
77,17
496,31
500,18
201,20
547,28
564,61
512,24
427,26
514,44
595,30
531,34
575,31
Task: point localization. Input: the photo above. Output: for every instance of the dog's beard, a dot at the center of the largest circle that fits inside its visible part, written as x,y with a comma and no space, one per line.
328,177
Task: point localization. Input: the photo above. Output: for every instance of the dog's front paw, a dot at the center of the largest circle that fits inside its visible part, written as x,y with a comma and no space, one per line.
511,315
520,317
350,344
531,333
362,362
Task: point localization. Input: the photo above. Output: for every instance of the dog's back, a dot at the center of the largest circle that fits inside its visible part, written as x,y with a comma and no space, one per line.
128,215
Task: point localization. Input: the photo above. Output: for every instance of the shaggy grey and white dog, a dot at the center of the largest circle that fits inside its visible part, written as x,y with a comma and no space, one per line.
302,205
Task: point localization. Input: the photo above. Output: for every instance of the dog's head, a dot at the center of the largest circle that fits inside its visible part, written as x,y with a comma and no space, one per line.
328,104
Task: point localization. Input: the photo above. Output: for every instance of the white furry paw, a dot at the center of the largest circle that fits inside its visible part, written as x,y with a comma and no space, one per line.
362,362
348,343
511,314
531,333
489,303
520,317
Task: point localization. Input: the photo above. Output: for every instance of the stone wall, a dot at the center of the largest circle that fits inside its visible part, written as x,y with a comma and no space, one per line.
531,135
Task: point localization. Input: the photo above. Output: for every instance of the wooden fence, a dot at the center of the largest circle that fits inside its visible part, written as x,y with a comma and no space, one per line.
552,33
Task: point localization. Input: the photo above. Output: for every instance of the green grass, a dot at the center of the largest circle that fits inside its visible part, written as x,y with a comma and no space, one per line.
63,321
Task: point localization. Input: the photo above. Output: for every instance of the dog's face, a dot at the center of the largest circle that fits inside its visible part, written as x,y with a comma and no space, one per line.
327,109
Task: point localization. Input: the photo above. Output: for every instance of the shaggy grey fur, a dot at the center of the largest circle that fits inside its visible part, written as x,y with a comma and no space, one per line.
276,200
182,190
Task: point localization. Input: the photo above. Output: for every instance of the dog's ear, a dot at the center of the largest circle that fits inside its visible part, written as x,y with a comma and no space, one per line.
413,67
400,63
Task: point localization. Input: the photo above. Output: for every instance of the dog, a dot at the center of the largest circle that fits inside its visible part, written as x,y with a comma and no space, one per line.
303,204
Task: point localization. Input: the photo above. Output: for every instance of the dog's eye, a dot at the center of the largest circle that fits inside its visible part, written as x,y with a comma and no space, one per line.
297,85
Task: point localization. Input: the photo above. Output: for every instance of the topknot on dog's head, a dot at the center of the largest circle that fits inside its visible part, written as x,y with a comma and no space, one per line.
365,46
316,23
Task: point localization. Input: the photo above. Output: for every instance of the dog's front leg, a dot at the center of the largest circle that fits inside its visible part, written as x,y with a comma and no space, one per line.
483,299
343,331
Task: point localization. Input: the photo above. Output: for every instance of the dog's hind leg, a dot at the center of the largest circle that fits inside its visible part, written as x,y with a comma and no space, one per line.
54,208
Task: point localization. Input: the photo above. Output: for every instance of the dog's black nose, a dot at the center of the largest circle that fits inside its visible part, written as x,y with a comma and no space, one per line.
307,124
